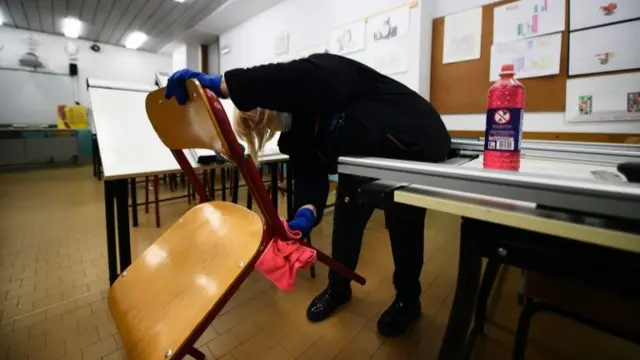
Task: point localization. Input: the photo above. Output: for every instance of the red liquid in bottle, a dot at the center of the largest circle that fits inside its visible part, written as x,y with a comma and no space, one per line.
503,132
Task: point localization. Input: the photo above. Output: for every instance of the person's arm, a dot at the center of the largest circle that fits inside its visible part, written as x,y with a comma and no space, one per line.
316,84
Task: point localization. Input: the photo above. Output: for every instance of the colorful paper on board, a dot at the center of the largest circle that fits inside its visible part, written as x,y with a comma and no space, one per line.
585,104
633,102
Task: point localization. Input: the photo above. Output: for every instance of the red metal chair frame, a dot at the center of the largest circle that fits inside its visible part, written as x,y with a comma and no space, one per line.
250,173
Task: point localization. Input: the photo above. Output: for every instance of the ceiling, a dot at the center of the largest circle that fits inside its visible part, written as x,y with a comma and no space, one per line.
109,21
232,13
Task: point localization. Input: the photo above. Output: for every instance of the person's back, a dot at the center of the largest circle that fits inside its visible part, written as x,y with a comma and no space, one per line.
397,121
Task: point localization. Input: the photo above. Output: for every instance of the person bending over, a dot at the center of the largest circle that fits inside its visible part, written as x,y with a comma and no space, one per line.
326,106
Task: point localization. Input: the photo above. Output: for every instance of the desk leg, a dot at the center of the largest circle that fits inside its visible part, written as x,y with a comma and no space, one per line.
110,220
99,158
469,269
94,155
122,216
274,184
134,202
212,185
289,175
223,183
236,184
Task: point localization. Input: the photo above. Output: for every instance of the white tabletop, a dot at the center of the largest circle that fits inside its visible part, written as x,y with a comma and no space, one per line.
553,168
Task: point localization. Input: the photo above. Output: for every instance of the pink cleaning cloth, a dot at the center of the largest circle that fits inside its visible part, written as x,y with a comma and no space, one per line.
282,259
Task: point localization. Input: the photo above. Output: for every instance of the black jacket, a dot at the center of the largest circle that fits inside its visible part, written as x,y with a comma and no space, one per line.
340,107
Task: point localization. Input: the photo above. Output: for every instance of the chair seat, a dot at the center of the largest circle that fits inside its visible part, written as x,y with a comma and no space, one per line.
173,286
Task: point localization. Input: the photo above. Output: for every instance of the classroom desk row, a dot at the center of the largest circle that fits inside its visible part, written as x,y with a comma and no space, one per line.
600,250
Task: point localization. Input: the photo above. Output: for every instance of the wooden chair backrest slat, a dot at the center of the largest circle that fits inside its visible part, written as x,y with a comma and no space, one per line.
182,276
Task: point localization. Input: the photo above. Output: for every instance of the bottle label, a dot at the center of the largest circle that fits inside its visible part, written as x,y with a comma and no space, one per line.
504,129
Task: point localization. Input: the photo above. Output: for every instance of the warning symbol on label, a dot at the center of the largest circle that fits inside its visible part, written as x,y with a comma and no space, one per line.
502,116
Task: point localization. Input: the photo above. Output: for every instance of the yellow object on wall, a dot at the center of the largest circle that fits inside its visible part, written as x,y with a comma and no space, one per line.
72,117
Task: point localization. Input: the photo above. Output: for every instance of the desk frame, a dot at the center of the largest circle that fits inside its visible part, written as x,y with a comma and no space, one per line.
507,230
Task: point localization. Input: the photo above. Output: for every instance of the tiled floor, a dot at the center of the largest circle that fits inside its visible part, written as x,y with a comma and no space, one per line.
53,289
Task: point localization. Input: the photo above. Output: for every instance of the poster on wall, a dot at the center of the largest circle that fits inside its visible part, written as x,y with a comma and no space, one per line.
388,41
528,18
349,38
589,13
533,57
603,98
462,36
317,49
605,49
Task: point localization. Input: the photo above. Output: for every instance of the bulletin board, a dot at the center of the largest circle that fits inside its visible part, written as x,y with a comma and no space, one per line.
461,88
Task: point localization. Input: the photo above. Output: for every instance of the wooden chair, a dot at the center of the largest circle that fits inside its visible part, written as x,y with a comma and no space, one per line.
166,299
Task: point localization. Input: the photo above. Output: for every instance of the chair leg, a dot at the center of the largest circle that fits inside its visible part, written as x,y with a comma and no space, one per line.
524,323
156,200
196,354
146,194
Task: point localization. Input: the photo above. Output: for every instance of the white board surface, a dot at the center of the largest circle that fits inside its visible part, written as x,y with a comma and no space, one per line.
528,18
128,144
534,57
609,98
462,36
32,98
588,13
604,49
162,78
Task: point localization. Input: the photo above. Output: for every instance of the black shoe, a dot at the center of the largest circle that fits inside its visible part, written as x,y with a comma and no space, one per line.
323,306
398,317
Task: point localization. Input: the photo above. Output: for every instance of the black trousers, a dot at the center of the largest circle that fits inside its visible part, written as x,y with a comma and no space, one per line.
406,230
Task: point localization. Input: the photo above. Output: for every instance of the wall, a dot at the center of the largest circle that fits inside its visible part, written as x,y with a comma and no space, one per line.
543,122
186,56
213,57
179,58
309,23
112,63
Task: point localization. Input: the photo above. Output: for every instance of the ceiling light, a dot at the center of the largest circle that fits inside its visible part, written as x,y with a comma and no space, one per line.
179,1
71,27
135,39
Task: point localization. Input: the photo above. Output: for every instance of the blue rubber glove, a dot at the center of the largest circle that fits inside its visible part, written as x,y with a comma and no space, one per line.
304,221
176,85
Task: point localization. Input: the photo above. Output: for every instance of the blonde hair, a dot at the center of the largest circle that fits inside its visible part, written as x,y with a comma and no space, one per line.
255,128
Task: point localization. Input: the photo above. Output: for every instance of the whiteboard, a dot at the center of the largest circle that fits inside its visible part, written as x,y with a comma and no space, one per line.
129,146
609,97
605,49
32,98
588,13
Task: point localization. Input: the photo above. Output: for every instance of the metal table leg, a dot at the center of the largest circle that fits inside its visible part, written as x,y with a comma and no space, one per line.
122,215
469,269
274,184
134,202
110,220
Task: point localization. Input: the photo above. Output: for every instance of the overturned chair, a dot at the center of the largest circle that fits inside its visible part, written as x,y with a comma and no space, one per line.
171,293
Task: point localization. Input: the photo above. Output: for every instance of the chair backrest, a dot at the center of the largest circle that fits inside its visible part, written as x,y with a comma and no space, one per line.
202,123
